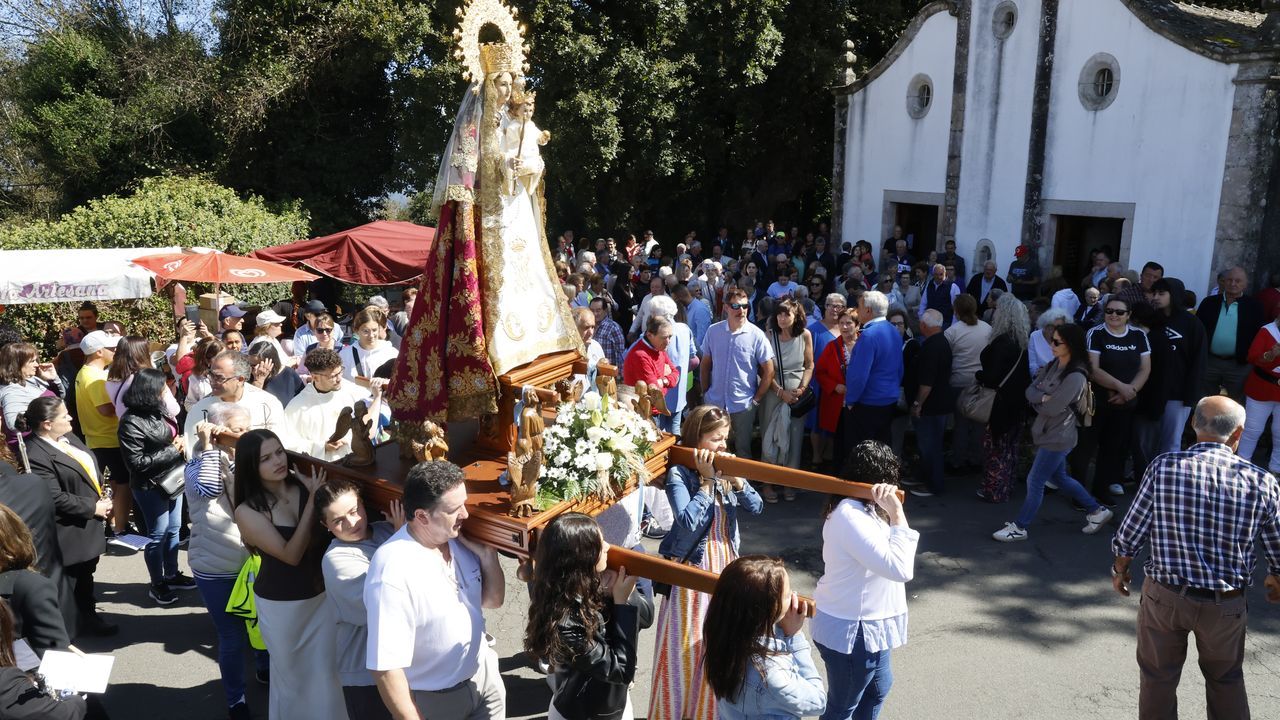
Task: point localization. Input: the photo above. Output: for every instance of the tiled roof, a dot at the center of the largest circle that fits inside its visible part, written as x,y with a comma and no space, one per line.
1221,34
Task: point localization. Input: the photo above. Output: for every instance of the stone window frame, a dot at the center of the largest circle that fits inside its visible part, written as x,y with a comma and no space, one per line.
1004,19
1092,75
920,96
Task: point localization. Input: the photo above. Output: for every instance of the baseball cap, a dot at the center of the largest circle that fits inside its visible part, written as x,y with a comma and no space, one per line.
98,340
232,310
268,317
315,307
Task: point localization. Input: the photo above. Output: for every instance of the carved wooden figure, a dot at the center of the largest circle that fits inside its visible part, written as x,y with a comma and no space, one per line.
524,464
434,447
607,385
570,390
361,454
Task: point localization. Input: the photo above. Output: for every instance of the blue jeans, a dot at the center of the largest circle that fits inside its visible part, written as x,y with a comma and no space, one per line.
1051,465
164,517
857,683
232,637
929,432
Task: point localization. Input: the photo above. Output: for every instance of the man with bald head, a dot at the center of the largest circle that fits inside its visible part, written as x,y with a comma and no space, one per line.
1231,319
1201,511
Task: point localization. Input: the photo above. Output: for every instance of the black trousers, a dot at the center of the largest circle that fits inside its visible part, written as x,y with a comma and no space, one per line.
81,577
866,422
1113,425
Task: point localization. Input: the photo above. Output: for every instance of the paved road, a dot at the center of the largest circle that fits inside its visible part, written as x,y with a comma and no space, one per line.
1031,630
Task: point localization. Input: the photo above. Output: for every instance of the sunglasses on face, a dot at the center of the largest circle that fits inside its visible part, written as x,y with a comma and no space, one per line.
738,306
1114,311
1056,342
323,331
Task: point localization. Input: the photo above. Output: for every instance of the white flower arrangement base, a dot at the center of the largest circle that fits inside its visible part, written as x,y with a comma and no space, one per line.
595,451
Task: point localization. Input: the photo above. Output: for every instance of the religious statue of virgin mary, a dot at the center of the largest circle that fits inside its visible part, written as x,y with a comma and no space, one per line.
490,300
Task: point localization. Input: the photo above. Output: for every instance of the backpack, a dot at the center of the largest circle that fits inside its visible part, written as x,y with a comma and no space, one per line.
1084,405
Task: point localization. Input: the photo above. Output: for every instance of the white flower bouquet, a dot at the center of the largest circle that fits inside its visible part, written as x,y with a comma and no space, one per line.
594,448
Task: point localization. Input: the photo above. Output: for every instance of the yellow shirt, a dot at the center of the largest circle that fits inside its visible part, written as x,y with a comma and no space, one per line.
91,391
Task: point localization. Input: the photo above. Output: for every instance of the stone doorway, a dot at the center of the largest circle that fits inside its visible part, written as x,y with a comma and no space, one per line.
1075,236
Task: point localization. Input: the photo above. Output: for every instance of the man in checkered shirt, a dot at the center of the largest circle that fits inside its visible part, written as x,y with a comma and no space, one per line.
1202,510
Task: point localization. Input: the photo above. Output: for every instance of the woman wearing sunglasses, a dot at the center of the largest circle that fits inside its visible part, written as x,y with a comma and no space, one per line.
1120,357
1055,395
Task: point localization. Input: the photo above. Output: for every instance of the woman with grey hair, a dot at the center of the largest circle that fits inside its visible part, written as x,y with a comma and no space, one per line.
1004,370
215,551
683,351
1039,353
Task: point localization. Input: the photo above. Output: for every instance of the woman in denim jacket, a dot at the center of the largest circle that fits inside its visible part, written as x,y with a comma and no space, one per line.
704,535
759,663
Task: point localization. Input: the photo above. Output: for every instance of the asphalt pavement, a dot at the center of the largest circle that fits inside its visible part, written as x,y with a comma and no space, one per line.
1028,630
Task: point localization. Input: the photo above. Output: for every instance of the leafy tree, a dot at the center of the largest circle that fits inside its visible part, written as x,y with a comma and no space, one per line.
163,212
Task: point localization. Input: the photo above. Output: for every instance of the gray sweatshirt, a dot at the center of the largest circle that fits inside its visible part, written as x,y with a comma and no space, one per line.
1053,395
345,566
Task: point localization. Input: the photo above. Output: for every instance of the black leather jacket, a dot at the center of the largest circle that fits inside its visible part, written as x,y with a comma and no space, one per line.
146,443
593,686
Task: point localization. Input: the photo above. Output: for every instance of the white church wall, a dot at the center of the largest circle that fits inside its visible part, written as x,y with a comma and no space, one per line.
888,150
997,130
1160,145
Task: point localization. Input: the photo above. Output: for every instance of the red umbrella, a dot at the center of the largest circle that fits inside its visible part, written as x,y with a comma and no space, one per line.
384,252
218,268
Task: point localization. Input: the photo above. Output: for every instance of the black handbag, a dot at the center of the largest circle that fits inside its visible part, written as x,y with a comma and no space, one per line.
808,399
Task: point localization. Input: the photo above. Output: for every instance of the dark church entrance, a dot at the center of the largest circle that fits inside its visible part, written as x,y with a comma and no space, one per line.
1076,236
920,222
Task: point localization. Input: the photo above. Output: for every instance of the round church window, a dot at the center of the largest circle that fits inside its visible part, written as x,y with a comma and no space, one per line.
1099,82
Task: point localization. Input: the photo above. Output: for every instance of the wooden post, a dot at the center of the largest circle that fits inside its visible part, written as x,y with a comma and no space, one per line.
672,573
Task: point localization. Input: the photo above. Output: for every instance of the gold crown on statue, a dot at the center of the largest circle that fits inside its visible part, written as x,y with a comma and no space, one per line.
498,57
479,59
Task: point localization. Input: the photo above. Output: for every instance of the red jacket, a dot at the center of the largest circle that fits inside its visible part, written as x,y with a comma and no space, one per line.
644,362
830,372
1254,386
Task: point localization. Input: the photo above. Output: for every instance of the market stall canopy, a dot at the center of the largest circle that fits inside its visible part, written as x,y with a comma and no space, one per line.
65,275
219,267
386,252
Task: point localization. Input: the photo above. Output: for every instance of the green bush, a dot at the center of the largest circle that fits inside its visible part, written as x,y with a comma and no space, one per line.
162,212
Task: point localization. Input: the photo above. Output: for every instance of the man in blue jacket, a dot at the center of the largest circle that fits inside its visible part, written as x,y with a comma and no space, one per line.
874,376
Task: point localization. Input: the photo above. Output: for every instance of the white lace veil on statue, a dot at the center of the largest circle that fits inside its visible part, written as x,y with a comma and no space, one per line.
459,164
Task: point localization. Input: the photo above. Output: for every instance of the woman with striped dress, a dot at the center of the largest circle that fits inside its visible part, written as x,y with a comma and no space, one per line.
704,535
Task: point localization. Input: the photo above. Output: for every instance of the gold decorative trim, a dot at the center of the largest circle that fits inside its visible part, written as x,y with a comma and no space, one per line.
474,15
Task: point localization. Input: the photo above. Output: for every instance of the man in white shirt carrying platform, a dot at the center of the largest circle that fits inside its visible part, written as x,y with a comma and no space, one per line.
424,593
312,415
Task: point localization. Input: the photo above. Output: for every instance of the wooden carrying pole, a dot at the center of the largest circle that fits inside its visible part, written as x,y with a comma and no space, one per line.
777,475
672,573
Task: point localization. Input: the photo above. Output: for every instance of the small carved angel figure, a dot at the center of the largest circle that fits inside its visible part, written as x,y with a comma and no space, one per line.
356,421
433,447
570,390
607,385
524,464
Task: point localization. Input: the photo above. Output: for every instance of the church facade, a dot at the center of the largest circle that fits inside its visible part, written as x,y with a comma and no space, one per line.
1148,127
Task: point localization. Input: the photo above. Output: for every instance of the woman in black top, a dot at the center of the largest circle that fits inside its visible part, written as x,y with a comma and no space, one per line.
33,597
152,449
584,620
277,521
1120,358
21,698
1004,357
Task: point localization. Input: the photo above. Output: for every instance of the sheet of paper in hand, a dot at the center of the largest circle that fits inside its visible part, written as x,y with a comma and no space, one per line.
79,673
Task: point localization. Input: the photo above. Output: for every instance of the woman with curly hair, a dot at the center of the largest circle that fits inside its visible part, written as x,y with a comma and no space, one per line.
758,661
584,621
1004,369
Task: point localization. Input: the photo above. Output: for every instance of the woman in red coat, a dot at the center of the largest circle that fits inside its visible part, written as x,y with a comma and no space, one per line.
831,370
647,360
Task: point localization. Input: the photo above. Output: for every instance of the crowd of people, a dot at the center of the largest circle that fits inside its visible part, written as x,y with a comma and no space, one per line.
902,374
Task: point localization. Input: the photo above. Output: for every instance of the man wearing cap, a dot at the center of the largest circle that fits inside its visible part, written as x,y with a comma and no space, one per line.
305,337
267,327
231,317
1024,274
98,421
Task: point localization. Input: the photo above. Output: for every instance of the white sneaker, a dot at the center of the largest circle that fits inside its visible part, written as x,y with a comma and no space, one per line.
1009,533
1116,489
1050,485
1096,520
